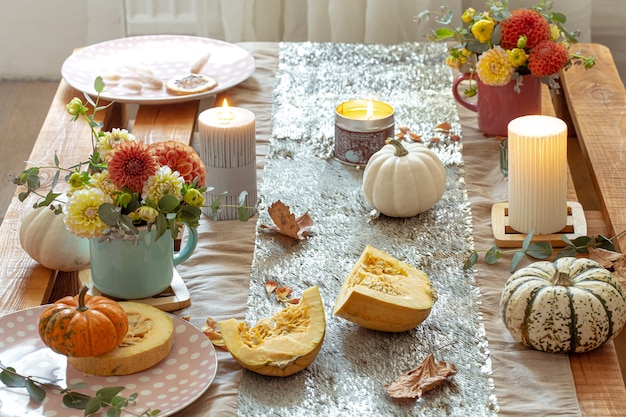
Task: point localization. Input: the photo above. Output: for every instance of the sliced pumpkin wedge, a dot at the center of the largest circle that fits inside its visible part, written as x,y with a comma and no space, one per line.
383,293
282,345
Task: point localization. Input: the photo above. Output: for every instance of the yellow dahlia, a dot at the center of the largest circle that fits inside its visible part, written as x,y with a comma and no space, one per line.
517,57
494,68
164,181
102,181
82,212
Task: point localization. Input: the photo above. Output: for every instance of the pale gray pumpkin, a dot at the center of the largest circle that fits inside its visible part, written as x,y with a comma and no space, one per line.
44,238
569,305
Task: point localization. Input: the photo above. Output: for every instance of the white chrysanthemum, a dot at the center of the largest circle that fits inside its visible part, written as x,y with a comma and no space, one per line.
164,181
82,212
111,139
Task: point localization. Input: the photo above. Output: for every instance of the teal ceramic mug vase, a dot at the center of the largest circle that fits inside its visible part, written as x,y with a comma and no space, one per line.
496,106
125,270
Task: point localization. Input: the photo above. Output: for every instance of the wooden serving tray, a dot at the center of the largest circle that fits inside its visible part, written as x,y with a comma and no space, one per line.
507,237
173,298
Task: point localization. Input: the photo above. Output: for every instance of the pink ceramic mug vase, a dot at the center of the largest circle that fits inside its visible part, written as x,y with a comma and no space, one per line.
497,106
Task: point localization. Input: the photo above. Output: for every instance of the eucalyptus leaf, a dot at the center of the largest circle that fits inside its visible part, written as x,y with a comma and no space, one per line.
109,214
539,250
517,257
35,391
243,214
492,255
93,405
10,379
76,400
113,412
168,203
527,240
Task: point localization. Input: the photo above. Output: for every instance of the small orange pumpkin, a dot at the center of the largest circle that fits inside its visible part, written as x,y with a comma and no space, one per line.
83,325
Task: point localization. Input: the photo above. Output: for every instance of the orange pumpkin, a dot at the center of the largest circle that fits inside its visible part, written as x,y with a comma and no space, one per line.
83,325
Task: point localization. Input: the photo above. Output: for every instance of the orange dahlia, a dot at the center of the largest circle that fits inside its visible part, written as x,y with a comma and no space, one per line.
130,164
547,58
182,158
524,22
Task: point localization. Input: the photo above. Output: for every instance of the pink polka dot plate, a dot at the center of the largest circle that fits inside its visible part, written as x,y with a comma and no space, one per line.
171,385
136,69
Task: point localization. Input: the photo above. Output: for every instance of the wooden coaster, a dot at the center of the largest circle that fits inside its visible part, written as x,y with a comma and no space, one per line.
173,298
507,237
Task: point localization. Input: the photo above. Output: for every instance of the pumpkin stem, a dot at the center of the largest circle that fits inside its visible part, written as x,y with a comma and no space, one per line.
81,299
400,150
562,279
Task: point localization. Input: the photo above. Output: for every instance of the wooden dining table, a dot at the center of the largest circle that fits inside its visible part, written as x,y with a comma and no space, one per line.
593,102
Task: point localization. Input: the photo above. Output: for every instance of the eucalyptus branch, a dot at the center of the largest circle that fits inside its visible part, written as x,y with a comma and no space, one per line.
543,250
105,397
242,209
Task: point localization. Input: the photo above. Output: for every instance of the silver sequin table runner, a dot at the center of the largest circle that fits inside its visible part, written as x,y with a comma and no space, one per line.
354,364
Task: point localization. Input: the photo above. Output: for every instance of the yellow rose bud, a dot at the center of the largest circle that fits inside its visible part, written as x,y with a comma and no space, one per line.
468,15
75,107
75,180
124,198
482,30
194,198
147,214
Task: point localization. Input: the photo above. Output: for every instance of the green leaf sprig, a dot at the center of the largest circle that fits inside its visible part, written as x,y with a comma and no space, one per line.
543,250
105,397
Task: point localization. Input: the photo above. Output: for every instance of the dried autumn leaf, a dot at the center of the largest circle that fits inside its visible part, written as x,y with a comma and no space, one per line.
282,293
286,222
445,127
211,330
270,286
604,257
614,261
427,376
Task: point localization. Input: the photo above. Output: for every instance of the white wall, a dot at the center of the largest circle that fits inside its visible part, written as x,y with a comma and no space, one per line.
37,36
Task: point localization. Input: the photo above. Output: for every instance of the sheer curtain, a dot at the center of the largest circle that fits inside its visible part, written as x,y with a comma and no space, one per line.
370,21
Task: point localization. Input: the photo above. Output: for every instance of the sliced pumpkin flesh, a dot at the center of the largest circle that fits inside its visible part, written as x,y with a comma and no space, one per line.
148,341
283,344
383,293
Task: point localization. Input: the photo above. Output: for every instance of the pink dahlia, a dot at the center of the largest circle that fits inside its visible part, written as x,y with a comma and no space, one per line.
130,164
524,22
182,158
547,58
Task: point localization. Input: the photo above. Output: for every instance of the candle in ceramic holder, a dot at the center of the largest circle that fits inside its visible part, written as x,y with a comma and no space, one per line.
228,149
361,128
537,152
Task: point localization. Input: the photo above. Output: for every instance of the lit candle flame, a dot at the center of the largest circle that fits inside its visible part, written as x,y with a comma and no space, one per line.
370,110
225,115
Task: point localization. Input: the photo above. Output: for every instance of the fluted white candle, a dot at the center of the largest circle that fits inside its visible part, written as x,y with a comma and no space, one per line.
537,174
227,147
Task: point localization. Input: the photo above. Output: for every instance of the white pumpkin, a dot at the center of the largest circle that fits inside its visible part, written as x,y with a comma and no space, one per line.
569,305
45,239
403,180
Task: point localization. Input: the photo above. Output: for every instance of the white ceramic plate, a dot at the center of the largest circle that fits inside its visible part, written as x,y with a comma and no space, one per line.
170,386
166,56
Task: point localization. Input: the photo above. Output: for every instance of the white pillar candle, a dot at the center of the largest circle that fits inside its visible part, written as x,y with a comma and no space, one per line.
228,149
537,174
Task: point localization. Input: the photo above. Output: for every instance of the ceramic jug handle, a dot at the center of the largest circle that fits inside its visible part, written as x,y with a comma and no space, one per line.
459,97
190,245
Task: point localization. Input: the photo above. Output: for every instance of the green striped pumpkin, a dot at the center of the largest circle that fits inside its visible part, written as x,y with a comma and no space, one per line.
569,305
